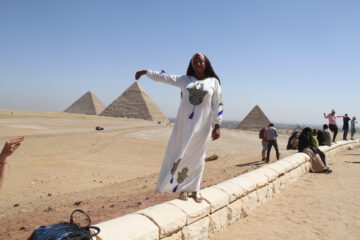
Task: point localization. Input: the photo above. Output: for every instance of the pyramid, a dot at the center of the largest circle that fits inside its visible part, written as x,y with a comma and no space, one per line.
87,104
255,120
134,103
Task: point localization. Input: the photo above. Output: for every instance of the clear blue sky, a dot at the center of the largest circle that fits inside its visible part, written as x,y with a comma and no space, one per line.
295,59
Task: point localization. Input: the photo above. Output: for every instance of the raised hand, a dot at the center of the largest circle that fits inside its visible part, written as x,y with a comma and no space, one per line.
10,147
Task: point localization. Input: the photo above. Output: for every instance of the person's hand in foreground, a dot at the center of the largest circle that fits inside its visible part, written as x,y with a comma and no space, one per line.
139,74
10,147
216,132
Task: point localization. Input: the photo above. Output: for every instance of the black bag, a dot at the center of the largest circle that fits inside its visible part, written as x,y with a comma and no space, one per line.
66,230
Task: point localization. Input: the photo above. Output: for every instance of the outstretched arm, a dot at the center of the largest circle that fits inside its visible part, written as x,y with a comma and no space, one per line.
9,148
175,80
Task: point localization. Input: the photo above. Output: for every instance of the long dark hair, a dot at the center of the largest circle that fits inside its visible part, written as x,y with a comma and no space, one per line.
209,71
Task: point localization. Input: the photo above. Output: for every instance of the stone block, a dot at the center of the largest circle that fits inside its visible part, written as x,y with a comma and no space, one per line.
235,211
235,191
283,181
280,169
253,201
215,197
295,160
245,206
132,226
258,176
197,230
276,187
270,173
261,195
307,166
192,209
270,191
245,183
302,170
174,236
288,166
168,217
218,220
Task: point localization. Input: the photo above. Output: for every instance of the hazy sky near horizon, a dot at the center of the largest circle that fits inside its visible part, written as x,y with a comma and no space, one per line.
295,59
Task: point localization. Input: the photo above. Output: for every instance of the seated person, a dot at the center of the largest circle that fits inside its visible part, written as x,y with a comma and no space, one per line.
305,145
321,138
315,143
327,135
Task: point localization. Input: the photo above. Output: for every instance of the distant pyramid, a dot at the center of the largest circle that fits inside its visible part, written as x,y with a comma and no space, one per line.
255,120
134,103
87,104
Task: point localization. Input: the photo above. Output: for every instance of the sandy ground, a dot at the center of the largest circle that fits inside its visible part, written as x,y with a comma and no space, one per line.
318,206
65,164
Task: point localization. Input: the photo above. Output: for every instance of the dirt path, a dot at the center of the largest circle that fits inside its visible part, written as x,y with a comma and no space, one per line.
318,206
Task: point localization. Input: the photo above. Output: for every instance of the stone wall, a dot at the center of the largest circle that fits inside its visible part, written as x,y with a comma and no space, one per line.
224,204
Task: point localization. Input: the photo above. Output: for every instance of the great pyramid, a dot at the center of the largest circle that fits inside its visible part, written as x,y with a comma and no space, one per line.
135,103
255,120
87,104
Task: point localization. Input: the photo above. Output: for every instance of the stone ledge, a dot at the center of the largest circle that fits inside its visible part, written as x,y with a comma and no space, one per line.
215,197
128,227
270,173
229,201
258,177
192,209
245,183
166,216
288,166
197,230
235,191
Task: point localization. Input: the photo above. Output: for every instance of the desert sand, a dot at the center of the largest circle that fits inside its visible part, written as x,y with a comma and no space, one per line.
318,206
65,164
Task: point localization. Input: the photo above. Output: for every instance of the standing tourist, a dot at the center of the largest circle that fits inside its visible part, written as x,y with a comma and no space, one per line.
346,120
9,148
353,130
200,110
271,136
332,123
263,143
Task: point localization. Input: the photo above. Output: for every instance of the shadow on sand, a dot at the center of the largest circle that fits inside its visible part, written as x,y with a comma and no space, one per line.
353,162
257,163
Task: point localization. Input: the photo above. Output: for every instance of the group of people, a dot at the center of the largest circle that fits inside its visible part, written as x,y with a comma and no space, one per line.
309,140
346,119
309,144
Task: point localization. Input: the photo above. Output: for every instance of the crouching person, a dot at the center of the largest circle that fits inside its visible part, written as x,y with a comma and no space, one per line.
315,144
306,146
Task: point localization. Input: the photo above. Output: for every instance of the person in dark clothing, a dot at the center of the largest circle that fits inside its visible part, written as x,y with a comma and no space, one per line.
321,138
305,140
346,120
306,146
